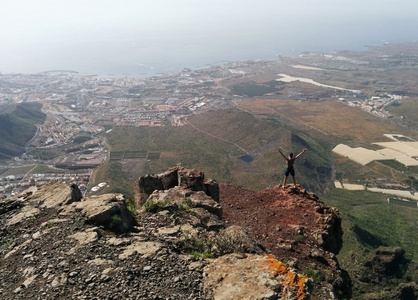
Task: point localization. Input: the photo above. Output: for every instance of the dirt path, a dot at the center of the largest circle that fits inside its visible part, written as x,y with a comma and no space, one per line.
216,137
24,176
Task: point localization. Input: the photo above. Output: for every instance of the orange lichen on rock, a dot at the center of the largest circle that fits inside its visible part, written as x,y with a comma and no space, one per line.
291,280
274,265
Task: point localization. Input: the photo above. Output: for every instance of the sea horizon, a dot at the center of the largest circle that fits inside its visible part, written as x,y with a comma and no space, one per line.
158,68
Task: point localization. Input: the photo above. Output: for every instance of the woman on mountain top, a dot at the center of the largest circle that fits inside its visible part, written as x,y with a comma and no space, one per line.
289,170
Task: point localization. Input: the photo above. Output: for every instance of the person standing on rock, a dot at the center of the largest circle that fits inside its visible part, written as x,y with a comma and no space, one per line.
290,170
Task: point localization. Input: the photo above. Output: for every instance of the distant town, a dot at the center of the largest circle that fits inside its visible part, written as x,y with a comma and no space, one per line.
91,105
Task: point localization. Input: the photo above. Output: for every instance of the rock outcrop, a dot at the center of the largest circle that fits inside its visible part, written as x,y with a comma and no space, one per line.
188,238
177,176
108,210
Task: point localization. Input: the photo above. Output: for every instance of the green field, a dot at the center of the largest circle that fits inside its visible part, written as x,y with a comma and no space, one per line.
128,154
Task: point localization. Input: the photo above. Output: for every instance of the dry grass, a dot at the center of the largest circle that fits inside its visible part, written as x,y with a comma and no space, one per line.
133,168
168,154
326,117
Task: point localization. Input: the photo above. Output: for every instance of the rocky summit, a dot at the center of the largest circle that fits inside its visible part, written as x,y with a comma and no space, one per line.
182,237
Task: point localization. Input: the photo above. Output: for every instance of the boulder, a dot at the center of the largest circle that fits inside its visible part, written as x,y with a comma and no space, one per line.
108,210
55,195
243,276
88,236
142,247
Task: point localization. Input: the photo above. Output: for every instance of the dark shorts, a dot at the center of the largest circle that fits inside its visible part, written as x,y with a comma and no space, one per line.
290,171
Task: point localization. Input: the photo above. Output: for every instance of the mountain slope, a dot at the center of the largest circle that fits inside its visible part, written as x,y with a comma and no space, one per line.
214,141
17,127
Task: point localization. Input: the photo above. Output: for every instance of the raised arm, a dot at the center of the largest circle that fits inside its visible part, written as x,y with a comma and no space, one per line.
300,153
283,154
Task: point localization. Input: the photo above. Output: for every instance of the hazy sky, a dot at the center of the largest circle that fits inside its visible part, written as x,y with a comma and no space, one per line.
37,35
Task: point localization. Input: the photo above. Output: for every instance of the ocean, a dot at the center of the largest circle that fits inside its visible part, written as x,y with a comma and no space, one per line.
167,40
141,58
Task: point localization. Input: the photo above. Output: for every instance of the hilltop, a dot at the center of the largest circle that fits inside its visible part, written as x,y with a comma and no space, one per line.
184,237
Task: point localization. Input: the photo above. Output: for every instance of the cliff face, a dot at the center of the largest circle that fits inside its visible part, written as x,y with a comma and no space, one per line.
186,238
